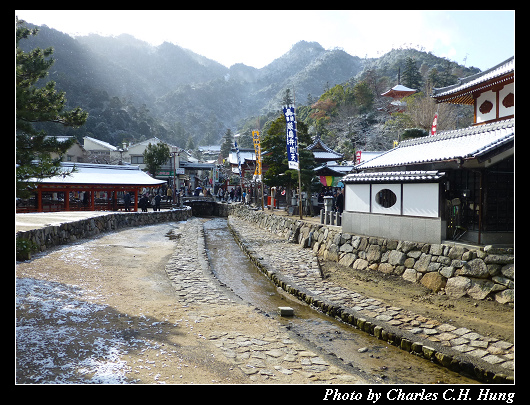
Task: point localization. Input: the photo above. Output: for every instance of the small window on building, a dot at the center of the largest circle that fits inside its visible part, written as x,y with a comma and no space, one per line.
137,159
386,198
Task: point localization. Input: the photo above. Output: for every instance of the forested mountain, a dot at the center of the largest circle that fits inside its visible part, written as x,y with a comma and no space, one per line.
133,91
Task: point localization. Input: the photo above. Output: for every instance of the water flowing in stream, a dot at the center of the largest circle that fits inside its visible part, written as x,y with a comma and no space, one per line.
365,354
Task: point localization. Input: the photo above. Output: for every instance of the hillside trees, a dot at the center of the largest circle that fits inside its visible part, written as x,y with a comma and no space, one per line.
171,93
36,105
420,114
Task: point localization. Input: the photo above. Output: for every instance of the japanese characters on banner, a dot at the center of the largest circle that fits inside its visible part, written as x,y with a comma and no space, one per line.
292,140
257,149
238,158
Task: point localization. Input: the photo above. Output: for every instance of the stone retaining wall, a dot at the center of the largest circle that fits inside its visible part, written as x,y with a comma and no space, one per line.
442,353
453,269
44,238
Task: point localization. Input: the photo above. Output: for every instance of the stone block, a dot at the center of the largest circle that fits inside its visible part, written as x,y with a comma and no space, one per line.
479,289
285,311
360,264
475,268
456,252
508,270
396,258
447,272
422,264
444,359
436,249
409,262
406,345
457,287
410,275
417,347
414,254
386,268
433,281
428,352
499,259
505,296
348,259
373,253
346,248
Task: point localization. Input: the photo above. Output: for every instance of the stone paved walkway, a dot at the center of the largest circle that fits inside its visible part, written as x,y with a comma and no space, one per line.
444,342
269,355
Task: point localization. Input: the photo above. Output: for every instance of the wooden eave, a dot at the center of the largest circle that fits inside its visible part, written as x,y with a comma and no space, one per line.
468,95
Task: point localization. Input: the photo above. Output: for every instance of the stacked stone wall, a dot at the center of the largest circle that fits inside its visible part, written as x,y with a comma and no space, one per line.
49,236
456,270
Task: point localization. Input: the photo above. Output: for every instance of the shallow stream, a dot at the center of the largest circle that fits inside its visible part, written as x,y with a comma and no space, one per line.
362,353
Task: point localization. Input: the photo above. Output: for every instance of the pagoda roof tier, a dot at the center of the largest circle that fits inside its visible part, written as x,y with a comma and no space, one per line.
399,91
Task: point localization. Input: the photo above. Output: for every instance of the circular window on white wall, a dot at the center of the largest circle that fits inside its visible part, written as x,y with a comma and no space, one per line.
385,198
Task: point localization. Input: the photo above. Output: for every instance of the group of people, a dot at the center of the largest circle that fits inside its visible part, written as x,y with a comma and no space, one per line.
148,198
338,198
236,194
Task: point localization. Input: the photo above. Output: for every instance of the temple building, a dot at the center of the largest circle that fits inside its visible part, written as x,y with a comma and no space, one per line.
455,185
322,152
90,187
397,93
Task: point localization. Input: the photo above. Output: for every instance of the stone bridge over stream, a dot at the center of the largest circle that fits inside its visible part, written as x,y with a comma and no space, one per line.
202,206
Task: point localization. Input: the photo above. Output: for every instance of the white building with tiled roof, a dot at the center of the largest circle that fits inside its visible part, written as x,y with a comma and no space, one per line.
100,151
453,185
461,147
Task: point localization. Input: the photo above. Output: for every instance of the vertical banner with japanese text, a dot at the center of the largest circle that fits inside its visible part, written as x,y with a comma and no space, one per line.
257,149
291,138
434,124
238,155
358,157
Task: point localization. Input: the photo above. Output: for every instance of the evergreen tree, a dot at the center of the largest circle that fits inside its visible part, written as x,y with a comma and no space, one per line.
364,97
411,76
155,156
228,143
38,105
287,99
446,78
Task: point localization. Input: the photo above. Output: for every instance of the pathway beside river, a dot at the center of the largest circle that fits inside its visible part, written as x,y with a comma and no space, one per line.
139,306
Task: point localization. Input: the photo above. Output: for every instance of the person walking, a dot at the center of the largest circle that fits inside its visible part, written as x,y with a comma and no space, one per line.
339,202
143,203
157,199
127,201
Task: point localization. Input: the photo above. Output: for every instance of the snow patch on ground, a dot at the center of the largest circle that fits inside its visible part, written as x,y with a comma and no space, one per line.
57,323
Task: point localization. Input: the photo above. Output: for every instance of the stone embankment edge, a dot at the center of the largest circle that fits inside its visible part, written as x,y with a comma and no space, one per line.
407,341
50,236
455,270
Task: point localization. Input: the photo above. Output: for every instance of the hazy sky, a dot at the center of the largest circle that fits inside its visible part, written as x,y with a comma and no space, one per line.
256,38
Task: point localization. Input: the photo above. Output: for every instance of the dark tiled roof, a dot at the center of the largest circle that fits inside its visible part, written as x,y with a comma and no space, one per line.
403,176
